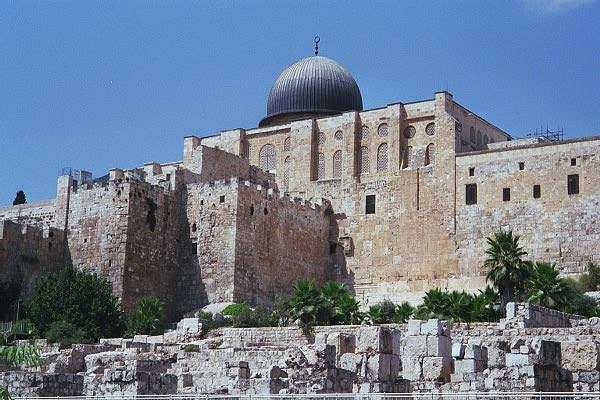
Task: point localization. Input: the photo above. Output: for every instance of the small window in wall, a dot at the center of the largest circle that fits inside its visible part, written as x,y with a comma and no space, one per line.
471,194
251,210
537,191
370,204
332,247
521,166
472,171
573,184
194,227
573,162
506,194
221,199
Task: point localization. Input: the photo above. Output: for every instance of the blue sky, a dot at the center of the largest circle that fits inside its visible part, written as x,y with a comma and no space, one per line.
96,85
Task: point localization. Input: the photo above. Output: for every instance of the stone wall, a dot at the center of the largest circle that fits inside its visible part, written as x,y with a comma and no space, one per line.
28,252
40,214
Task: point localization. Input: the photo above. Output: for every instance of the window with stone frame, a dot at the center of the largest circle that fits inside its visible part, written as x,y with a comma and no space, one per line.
573,184
430,129
286,174
409,132
382,157
267,158
321,138
363,160
479,140
287,144
364,132
338,136
337,164
472,136
320,166
471,193
383,130
407,157
429,154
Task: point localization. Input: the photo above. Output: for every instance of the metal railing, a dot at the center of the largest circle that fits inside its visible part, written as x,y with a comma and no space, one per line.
347,396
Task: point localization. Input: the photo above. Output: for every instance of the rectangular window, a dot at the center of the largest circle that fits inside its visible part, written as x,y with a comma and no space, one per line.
521,166
472,171
506,194
370,204
573,162
537,191
471,193
332,247
221,199
573,184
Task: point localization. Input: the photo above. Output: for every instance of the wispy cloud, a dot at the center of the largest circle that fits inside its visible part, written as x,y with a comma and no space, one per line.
556,6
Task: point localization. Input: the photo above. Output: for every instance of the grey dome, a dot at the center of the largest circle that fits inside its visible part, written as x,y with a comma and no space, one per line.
312,86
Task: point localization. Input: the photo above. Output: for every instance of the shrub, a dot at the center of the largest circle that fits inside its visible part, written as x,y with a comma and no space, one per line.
147,318
382,313
235,309
208,321
248,318
80,298
66,334
403,312
20,198
11,291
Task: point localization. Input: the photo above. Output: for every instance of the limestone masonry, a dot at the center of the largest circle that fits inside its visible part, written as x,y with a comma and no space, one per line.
533,349
391,201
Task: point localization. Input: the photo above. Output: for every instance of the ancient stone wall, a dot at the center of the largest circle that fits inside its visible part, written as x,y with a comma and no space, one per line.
28,252
40,214
557,226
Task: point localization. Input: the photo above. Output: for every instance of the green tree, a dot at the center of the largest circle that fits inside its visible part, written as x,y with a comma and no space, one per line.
403,312
19,198
80,298
382,313
344,308
590,280
235,309
545,287
306,306
505,266
147,317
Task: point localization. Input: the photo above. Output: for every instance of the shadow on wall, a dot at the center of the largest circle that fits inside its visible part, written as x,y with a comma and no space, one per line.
340,248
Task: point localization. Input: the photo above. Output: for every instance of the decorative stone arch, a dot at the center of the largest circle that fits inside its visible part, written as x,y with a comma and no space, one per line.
267,158
287,144
407,157
337,164
382,130
382,157
364,132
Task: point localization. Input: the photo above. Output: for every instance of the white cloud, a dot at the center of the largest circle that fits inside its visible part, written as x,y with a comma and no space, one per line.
555,6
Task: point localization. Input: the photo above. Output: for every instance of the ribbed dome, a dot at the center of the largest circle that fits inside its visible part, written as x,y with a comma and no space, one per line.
312,86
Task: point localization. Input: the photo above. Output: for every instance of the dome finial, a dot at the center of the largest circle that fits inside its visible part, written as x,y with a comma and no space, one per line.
317,40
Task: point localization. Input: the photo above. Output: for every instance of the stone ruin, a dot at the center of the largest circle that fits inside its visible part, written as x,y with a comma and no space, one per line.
533,349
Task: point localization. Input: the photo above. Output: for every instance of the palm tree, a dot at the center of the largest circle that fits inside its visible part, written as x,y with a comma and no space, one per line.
403,313
505,266
545,287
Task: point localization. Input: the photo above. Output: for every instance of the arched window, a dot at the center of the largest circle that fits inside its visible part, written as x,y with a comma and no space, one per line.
409,132
286,174
382,157
267,158
406,160
363,160
383,130
337,164
472,135
321,138
364,132
479,140
338,136
320,166
430,129
457,127
286,144
429,154
486,140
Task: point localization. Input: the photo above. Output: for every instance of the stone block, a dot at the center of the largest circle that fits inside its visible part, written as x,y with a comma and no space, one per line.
412,368
415,346
373,339
437,369
394,366
432,327
396,342
467,366
581,355
458,350
414,327
378,367
496,357
439,346
350,362
513,359
476,352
